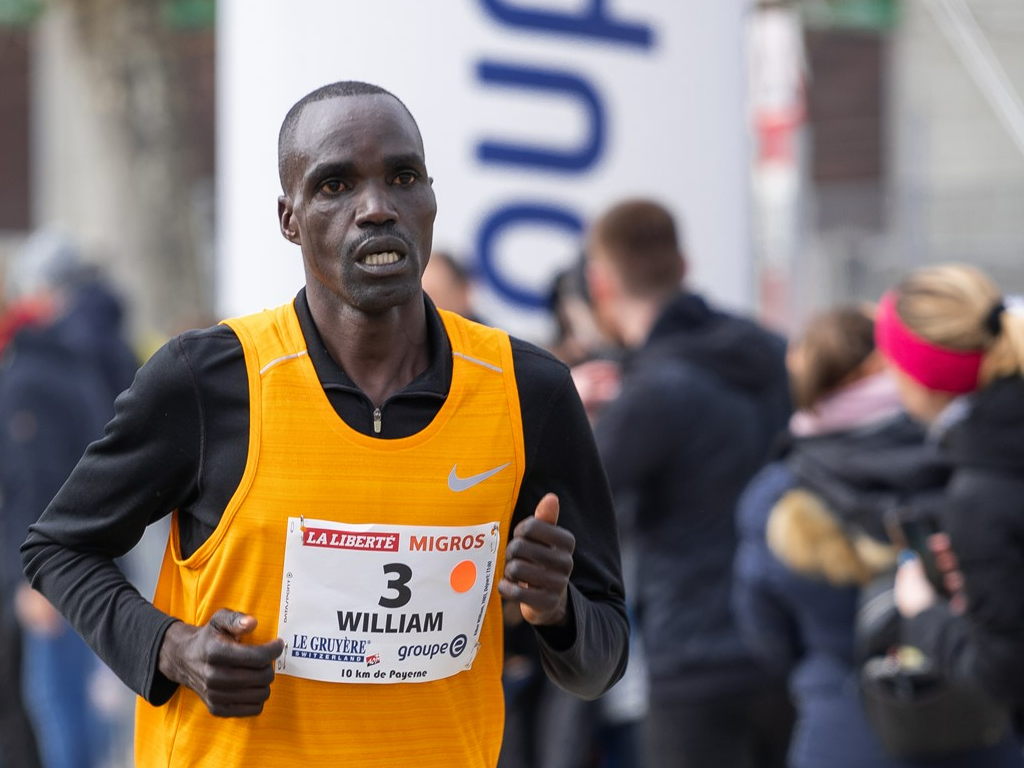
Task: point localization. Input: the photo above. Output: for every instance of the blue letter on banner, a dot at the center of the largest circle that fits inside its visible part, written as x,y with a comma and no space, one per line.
591,23
572,160
509,216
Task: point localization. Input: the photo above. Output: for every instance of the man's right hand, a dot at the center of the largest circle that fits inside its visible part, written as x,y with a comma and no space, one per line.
231,677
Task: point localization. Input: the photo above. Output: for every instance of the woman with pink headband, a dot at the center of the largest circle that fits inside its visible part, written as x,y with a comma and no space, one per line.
958,353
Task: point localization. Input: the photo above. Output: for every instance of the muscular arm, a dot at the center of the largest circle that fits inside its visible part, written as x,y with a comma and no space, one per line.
145,466
588,653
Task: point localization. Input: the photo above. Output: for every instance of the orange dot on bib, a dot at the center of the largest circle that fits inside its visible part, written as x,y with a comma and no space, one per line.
463,576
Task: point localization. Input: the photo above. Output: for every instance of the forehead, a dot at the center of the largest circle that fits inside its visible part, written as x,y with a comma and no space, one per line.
355,128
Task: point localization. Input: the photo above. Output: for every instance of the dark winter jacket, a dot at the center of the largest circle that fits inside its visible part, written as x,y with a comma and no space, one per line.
985,520
93,325
52,405
812,533
700,403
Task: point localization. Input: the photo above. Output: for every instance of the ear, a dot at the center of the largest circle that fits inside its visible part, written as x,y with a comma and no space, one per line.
600,281
286,218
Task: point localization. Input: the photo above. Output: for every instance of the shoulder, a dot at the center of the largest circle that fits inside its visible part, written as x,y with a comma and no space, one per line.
192,360
747,326
676,389
761,494
200,348
984,507
538,372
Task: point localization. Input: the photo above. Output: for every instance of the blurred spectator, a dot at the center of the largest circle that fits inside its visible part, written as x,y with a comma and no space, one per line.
813,535
545,727
579,341
90,314
577,335
447,283
94,326
53,403
17,738
595,362
957,347
703,393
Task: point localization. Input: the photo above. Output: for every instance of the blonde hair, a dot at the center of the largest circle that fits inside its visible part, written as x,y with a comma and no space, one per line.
951,306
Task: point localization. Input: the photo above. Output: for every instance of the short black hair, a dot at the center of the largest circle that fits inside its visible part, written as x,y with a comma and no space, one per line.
324,92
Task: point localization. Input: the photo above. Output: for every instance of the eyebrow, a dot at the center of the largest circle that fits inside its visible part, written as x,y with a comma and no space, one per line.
347,168
405,160
326,170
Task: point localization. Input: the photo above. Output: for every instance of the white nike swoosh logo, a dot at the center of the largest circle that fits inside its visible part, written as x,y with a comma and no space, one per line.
458,484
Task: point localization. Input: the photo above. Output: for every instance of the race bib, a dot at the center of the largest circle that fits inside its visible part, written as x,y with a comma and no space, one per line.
383,603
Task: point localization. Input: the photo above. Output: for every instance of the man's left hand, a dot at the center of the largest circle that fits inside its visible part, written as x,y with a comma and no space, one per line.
538,561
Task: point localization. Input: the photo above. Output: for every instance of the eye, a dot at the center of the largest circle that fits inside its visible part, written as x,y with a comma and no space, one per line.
332,187
406,178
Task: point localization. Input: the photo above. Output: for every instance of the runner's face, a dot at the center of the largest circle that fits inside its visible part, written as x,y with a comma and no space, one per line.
360,202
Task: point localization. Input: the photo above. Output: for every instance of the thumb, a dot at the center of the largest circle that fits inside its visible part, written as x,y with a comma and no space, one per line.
547,509
233,623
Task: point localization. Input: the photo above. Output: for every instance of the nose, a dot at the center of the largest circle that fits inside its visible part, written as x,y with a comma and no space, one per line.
375,205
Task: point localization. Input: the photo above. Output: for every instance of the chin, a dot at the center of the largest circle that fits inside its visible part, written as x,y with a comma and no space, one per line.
383,301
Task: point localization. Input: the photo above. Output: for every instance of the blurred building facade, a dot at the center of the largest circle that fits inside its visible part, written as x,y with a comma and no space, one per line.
87,132
912,150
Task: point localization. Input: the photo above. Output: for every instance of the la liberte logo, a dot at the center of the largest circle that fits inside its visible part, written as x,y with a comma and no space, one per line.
376,542
389,542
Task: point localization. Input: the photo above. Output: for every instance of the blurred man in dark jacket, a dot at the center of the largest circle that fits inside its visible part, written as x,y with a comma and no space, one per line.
702,395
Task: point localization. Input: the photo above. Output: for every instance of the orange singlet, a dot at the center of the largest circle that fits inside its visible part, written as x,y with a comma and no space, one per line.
388,607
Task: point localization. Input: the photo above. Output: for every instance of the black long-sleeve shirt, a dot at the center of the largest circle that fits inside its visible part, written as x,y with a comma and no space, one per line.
179,440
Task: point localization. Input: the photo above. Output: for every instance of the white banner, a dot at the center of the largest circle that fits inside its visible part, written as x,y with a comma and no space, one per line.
535,116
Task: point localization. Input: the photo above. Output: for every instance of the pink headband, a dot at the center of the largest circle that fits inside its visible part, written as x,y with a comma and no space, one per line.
937,368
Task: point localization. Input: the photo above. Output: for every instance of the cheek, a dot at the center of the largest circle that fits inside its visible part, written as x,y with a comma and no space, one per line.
920,402
427,215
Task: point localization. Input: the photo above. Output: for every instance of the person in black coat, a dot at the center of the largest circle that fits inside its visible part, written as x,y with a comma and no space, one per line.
54,402
958,351
93,324
813,538
703,393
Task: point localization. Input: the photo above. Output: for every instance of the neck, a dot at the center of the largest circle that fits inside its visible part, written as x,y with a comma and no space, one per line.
381,353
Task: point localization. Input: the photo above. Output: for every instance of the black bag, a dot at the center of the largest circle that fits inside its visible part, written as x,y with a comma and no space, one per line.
916,712
913,709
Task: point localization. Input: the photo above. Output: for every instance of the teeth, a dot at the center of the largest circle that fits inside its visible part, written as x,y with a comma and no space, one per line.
381,259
